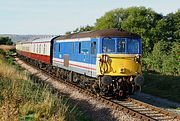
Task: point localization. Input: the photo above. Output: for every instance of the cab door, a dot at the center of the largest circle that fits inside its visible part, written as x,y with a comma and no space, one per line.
93,55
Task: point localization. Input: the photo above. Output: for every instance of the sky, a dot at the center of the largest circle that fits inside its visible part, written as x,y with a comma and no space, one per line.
56,17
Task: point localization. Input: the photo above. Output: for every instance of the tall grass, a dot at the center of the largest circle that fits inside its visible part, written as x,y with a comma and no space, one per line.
166,86
22,99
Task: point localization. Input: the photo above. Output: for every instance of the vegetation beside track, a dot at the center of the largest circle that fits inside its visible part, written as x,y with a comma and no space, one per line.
165,86
23,99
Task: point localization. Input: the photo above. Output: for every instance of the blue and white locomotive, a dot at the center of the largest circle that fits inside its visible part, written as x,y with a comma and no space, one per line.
104,61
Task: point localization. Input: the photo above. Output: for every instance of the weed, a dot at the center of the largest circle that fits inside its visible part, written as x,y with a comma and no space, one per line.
166,86
22,99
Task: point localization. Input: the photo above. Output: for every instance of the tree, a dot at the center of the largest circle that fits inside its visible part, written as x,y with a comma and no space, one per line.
111,19
159,53
171,64
83,29
134,19
68,33
168,28
5,41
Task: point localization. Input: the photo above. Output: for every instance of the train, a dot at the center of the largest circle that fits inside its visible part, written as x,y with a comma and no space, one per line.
106,62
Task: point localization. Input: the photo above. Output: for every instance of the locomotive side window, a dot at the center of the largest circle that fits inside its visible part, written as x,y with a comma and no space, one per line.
93,48
80,47
59,48
73,47
55,48
121,45
108,45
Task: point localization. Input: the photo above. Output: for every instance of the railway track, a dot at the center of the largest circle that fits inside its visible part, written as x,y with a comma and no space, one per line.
135,108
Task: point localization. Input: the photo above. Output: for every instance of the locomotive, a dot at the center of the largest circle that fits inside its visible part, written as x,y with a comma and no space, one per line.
107,62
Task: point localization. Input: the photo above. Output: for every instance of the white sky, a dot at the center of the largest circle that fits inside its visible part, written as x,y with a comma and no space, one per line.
60,16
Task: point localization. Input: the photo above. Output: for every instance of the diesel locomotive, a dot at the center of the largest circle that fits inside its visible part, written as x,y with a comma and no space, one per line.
107,62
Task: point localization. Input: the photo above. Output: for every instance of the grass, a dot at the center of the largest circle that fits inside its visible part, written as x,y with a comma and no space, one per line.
23,100
7,47
165,86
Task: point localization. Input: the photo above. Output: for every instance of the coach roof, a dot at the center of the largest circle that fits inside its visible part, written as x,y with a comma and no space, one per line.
37,40
42,40
100,33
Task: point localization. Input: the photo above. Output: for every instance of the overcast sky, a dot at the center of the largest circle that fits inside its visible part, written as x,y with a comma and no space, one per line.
60,16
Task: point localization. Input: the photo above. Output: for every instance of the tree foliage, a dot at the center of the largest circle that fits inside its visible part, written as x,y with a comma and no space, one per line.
168,28
164,58
138,20
5,41
80,29
83,29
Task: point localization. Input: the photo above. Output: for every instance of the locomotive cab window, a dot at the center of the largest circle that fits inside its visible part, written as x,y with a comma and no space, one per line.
133,46
108,45
121,45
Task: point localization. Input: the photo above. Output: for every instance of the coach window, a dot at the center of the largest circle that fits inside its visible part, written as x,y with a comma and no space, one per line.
44,49
40,48
34,47
93,48
59,48
80,47
37,49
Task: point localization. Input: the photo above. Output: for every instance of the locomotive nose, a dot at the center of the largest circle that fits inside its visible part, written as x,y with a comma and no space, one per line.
119,65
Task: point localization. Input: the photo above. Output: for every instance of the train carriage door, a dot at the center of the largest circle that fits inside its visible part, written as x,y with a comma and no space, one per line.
93,54
85,51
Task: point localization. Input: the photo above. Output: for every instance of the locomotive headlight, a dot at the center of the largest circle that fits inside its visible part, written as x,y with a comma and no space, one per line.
137,58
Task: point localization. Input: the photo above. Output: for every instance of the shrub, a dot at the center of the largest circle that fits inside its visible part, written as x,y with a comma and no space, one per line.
164,58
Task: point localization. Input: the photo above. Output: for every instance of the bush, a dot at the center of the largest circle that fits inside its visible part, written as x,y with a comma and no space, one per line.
164,58
166,86
5,41
171,64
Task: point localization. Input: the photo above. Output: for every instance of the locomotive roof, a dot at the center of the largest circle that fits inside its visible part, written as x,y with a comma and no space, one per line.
100,33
